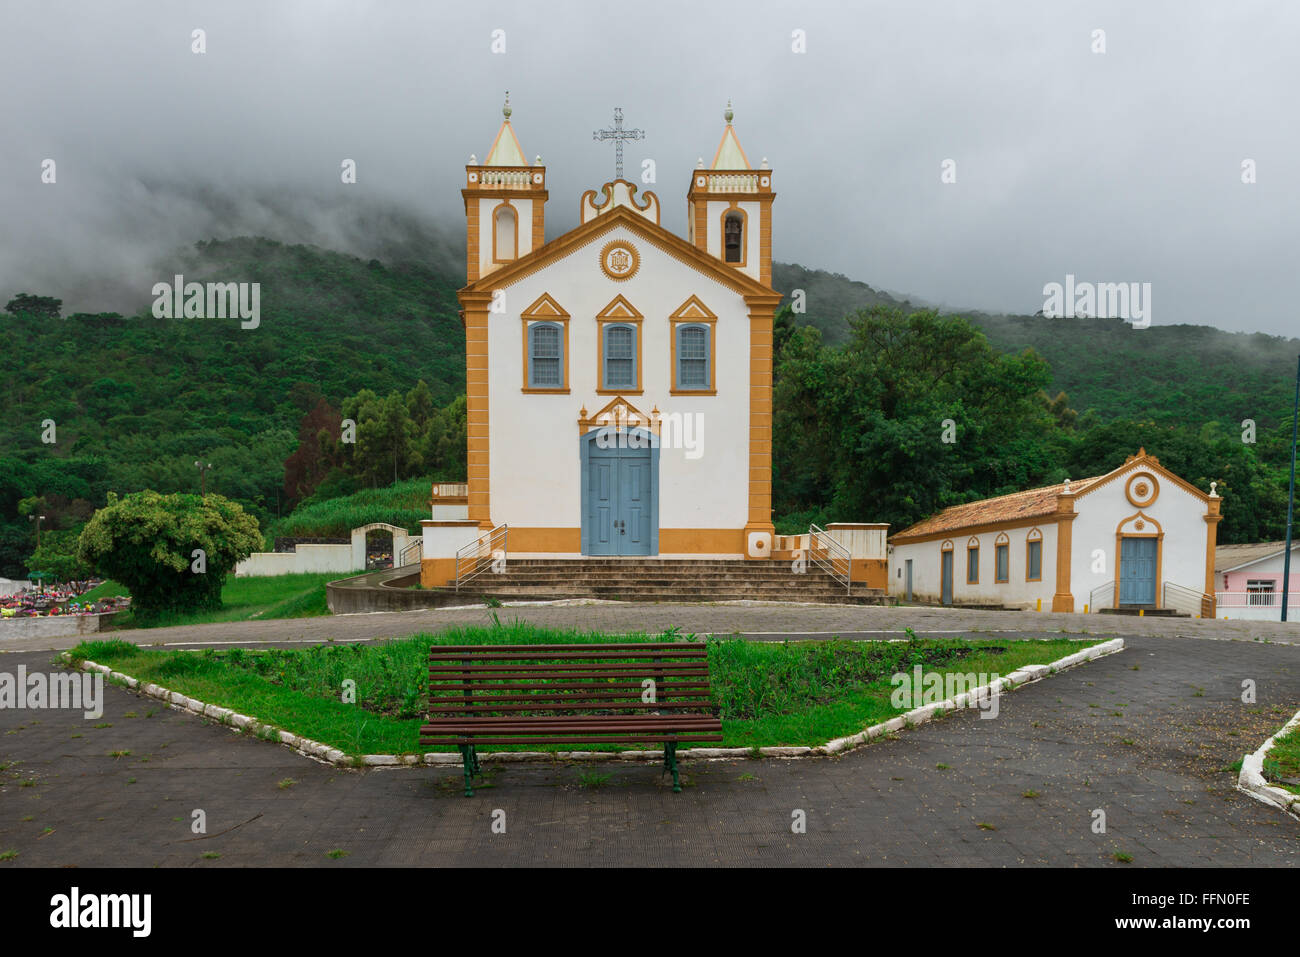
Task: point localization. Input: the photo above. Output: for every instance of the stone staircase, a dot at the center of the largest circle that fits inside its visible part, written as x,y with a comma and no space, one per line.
665,579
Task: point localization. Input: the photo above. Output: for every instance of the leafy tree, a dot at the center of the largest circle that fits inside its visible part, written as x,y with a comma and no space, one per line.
59,558
147,541
317,452
38,307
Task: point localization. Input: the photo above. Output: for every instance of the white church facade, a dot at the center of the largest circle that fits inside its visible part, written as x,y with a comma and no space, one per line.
618,377
1138,537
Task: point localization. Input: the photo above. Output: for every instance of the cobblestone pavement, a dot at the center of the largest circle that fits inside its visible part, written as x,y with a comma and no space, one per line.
1145,736
752,619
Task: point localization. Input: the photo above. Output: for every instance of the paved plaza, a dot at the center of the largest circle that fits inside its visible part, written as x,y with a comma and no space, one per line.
1147,736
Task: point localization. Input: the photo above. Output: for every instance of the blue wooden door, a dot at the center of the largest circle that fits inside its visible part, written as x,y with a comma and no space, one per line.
634,503
1137,571
619,504
946,586
599,530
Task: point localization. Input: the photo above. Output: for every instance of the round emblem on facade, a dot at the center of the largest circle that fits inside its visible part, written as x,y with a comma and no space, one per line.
619,260
537,178
473,177
699,181
1141,489
1139,524
765,181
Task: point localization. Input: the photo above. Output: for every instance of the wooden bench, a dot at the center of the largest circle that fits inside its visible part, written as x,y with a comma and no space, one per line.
651,693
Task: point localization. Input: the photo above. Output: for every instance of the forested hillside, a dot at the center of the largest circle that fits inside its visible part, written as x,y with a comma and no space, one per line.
136,400
1189,374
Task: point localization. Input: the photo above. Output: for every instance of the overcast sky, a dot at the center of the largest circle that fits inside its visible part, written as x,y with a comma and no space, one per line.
1123,166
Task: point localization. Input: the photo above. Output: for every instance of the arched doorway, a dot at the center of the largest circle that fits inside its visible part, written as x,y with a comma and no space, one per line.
620,492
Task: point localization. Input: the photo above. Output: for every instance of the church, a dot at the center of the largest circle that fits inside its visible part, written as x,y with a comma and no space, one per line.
619,376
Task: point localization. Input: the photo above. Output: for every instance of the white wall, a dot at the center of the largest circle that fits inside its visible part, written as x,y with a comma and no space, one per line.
1015,593
1180,514
535,470
304,558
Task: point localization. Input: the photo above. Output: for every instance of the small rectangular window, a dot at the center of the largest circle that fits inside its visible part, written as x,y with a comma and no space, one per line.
620,357
1002,553
973,566
1260,591
1034,572
545,362
692,357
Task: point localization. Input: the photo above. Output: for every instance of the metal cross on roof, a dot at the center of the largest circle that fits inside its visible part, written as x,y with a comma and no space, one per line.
618,135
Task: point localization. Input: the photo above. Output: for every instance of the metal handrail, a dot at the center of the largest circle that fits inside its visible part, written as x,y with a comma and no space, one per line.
1184,599
838,561
416,546
1102,590
480,555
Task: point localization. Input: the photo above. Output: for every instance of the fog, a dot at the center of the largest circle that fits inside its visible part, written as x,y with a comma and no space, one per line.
1122,166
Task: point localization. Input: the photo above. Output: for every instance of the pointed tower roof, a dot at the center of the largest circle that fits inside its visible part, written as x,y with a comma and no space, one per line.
730,155
506,150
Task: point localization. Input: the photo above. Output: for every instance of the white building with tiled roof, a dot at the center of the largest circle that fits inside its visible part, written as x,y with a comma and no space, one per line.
1136,537
1248,581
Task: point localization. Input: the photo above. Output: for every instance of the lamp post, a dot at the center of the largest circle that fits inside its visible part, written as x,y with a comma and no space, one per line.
1290,501
38,519
203,476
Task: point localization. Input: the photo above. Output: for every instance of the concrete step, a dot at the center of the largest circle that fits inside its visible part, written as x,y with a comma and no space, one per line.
1148,612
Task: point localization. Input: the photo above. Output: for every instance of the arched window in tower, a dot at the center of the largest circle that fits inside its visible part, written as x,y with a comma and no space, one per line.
505,228
733,238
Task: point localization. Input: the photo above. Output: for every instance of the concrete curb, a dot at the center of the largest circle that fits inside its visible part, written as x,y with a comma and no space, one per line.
1252,780
330,755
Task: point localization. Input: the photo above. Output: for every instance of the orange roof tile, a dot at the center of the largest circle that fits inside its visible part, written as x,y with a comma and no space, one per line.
1033,503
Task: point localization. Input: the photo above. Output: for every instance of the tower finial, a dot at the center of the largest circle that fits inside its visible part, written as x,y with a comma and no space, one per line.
728,114
505,110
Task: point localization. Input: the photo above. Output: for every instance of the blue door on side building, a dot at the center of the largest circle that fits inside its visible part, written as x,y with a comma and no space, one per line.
1137,571
619,495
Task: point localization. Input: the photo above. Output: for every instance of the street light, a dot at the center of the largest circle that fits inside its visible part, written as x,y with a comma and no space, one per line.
38,519
203,476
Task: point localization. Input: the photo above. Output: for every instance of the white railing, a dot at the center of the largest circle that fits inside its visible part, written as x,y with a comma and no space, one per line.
1188,601
733,182
1241,599
830,556
485,553
505,178
1103,596
416,549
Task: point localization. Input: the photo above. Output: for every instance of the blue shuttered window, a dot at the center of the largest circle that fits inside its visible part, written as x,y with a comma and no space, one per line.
545,361
693,357
620,357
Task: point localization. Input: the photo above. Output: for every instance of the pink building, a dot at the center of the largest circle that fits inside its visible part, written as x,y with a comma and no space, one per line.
1248,581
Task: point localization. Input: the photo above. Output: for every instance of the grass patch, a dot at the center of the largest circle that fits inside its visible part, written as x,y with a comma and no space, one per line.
1282,763
245,599
767,693
403,504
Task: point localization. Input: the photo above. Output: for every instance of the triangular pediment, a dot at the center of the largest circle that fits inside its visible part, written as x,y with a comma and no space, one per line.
619,308
545,308
621,218
692,310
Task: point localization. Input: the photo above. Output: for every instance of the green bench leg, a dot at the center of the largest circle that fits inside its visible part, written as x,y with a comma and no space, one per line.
670,764
469,759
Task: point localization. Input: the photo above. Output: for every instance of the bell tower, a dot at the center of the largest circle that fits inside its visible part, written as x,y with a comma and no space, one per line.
505,200
729,208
